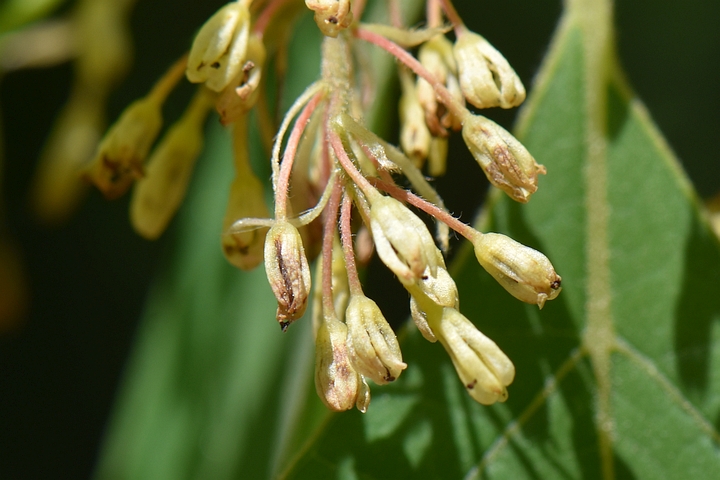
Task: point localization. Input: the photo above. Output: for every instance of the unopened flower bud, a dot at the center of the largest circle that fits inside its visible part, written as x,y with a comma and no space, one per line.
336,381
288,272
340,287
364,246
419,316
506,162
440,288
374,348
429,295
331,16
524,272
436,56
218,51
243,247
414,134
486,78
57,188
160,192
482,367
402,240
437,158
123,150
241,94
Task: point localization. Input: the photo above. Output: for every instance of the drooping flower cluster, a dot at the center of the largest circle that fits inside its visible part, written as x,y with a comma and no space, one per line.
335,194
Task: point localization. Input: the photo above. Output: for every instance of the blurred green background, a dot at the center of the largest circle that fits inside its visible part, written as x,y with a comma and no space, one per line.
60,366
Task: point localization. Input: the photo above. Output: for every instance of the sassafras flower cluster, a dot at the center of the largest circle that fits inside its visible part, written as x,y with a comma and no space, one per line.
336,195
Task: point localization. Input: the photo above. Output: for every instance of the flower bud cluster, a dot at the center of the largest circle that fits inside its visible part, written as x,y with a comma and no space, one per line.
334,184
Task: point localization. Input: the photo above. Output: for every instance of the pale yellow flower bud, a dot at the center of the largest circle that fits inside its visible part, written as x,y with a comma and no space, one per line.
57,188
402,240
437,158
506,162
482,367
103,42
429,295
337,383
526,273
414,134
218,51
242,93
440,288
331,16
374,349
340,287
419,316
436,56
160,192
243,248
486,78
123,150
288,272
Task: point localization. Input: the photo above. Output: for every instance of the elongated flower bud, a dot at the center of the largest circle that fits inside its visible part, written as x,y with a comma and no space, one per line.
57,188
482,367
340,287
243,248
506,162
159,193
436,56
440,288
526,273
414,134
437,158
331,16
429,295
336,381
374,349
123,150
486,78
419,316
218,51
242,93
288,272
402,240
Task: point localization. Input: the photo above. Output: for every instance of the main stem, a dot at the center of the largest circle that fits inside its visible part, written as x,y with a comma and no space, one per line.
594,17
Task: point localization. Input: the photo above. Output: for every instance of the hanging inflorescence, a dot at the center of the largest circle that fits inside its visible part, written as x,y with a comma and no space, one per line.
335,194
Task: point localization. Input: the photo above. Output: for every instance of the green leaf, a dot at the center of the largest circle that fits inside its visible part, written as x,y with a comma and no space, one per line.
617,378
